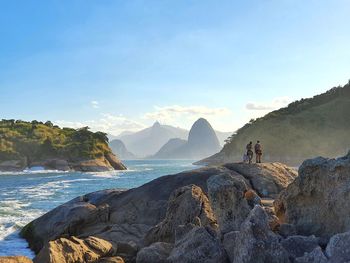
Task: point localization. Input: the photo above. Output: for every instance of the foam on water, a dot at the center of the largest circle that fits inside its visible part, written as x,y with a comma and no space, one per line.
27,195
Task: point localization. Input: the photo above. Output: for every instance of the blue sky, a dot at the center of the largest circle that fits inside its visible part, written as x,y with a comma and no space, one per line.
121,65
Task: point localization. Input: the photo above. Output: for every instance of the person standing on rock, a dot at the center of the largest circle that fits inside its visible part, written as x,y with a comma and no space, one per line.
249,149
258,151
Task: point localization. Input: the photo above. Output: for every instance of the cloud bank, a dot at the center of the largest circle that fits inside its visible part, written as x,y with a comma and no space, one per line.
171,113
267,106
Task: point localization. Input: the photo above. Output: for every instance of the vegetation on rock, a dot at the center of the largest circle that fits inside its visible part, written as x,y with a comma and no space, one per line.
317,126
36,140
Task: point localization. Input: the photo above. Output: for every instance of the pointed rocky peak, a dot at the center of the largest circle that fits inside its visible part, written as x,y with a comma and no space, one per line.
203,133
156,125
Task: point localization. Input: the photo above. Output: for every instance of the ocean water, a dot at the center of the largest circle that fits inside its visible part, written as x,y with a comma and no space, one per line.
27,195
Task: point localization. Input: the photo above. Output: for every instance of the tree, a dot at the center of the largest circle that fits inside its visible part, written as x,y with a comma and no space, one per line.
49,124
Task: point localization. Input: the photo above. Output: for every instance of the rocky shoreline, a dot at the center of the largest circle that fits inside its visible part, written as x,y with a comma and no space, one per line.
206,215
107,162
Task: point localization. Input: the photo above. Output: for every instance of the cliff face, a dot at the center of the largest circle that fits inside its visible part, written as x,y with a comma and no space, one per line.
202,141
28,144
318,126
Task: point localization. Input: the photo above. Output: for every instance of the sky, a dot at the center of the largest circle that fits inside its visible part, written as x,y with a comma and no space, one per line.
121,65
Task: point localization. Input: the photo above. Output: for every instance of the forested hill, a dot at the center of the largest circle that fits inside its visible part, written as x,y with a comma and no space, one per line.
318,126
35,142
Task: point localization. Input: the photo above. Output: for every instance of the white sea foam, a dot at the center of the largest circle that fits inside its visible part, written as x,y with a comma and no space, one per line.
26,172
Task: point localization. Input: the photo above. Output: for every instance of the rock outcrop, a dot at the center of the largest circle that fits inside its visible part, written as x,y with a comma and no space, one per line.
15,259
169,218
109,212
187,204
31,144
13,165
75,250
317,202
106,163
297,246
338,249
157,252
200,245
268,179
227,200
315,256
255,242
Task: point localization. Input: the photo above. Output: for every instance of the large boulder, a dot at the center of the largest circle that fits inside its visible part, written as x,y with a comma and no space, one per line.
255,242
268,179
226,195
187,204
75,250
99,212
338,249
317,202
297,246
157,252
200,245
69,218
315,256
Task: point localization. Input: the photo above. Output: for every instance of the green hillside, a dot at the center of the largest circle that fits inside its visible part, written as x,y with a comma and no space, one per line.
306,128
35,141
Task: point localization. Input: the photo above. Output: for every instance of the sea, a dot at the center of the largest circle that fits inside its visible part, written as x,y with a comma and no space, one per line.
27,195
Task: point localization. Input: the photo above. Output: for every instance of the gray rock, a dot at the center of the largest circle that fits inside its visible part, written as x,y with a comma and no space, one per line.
286,230
187,204
157,252
268,179
297,246
226,195
317,202
315,256
338,248
200,245
145,205
255,242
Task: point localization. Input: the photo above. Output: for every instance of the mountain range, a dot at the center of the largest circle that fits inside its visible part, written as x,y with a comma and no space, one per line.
317,126
202,141
149,141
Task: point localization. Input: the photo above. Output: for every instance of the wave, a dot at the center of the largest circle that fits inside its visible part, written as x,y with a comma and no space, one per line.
26,172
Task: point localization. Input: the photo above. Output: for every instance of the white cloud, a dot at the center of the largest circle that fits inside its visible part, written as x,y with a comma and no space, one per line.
109,123
169,114
268,106
95,104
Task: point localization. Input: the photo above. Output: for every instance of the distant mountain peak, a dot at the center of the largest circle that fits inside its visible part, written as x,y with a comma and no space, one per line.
202,141
156,124
202,129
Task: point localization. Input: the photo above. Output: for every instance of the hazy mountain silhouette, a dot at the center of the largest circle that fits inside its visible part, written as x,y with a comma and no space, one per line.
148,141
119,149
202,141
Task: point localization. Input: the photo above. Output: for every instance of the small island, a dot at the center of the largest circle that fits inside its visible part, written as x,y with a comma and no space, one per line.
36,144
